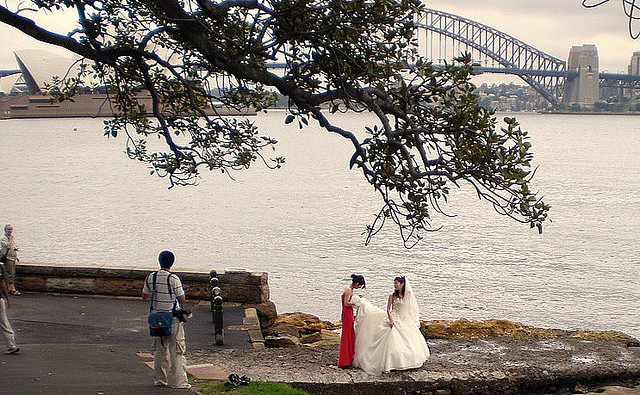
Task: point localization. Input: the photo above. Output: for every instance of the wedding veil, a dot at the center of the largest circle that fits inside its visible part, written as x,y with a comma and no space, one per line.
411,303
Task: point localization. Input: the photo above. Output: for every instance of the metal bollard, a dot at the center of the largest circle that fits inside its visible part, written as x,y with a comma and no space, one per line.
216,308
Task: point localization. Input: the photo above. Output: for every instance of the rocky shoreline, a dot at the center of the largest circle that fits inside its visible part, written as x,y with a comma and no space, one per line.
468,357
302,329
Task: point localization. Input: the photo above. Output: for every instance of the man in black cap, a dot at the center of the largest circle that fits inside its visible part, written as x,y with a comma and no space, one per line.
165,291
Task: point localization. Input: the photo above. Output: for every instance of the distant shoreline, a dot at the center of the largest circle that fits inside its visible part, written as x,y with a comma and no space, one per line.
86,105
589,113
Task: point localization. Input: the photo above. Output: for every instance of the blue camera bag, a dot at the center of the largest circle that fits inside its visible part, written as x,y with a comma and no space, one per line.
160,322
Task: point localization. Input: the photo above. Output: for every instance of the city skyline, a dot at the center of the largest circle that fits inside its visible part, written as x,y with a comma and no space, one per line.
550,26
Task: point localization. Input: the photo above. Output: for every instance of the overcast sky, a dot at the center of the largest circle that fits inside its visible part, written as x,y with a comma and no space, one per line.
552,26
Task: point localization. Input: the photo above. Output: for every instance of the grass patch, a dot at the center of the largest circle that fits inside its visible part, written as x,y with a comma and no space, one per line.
210,387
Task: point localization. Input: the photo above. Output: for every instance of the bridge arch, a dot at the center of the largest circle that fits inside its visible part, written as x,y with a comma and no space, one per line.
544,72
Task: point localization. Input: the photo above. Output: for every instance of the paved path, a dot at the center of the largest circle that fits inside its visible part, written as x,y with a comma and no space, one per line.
463,366
96,345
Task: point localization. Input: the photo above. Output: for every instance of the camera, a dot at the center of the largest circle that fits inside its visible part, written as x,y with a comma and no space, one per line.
183,314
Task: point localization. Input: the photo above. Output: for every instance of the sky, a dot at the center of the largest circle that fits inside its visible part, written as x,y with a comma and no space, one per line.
551,26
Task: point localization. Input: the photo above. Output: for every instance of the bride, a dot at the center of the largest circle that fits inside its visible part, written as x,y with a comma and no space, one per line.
390,341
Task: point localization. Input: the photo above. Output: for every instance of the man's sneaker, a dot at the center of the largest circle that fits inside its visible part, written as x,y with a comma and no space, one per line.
182,387
233,380
13,350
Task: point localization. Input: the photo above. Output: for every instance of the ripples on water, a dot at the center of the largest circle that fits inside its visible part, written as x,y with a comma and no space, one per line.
75,199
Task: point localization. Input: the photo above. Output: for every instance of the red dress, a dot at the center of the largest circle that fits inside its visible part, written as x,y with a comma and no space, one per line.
348,338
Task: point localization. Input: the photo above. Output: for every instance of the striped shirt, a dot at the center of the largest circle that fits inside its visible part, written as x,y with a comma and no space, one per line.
162,299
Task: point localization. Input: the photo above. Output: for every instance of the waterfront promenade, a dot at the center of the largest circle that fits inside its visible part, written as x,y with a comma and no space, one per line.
96,345
485,366
99,345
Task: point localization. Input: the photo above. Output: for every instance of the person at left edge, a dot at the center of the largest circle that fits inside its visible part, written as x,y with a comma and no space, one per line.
5,326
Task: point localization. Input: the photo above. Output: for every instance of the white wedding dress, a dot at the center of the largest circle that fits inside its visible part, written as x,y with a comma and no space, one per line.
381,348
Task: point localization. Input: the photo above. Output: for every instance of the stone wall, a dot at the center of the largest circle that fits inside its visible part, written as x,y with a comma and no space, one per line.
236,286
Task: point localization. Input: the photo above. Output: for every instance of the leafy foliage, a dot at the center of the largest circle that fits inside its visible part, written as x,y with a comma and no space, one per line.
193,56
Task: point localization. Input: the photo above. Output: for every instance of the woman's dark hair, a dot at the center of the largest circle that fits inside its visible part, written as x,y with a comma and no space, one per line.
401,280
358,279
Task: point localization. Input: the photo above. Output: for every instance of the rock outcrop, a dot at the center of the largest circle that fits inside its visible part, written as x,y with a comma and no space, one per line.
464,329
311,331
267,314
297,329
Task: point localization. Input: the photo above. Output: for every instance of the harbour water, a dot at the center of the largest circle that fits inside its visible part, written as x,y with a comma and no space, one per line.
75,199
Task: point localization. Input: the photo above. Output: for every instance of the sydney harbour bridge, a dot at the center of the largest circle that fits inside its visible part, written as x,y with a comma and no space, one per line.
443,36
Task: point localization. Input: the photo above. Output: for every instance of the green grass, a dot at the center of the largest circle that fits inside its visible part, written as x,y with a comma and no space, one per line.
209,387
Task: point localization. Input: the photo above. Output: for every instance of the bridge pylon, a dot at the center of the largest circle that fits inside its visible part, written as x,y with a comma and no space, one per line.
582,85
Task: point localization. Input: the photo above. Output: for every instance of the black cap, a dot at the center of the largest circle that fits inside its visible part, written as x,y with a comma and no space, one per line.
166,259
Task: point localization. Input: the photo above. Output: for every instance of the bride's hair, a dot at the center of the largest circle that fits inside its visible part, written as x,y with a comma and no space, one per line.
401,280
358,279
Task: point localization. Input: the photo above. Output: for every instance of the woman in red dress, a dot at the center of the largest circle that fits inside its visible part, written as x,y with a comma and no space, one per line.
348,337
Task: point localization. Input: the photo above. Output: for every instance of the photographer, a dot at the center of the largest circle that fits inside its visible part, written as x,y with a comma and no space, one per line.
165,290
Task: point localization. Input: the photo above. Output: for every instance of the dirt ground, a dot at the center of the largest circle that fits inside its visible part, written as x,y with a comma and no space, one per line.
492,365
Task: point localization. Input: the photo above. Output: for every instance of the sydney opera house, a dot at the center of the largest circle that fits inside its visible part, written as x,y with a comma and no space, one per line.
36,69
21,90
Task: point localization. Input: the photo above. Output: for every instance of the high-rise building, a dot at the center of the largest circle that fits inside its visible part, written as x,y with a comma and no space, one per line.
634,64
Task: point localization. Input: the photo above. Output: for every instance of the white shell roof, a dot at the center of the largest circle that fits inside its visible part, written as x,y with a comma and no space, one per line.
7,83
42,65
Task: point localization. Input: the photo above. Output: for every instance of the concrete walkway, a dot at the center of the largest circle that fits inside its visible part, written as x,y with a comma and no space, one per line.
98,345
500,365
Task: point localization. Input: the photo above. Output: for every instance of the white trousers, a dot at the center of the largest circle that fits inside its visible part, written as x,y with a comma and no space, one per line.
5,326
169,361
